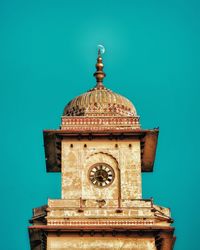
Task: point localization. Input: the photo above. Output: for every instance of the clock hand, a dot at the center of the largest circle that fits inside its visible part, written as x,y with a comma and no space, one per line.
104,178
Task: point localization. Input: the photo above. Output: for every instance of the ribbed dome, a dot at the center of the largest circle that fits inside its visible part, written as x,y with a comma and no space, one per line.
100,102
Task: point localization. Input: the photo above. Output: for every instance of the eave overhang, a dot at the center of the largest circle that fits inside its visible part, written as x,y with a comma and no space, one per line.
52,144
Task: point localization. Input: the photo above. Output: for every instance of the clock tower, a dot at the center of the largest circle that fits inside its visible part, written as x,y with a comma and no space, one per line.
101,151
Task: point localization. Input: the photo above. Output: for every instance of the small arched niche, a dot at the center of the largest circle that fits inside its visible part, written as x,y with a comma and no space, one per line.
93,191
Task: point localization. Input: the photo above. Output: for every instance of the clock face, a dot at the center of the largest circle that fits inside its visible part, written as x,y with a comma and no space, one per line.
101,175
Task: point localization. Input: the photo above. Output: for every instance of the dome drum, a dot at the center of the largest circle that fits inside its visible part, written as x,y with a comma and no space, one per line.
104,123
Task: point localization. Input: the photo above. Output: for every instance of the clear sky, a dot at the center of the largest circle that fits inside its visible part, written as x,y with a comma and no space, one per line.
47,57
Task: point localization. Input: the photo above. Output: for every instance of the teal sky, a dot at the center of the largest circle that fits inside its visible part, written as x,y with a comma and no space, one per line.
47,57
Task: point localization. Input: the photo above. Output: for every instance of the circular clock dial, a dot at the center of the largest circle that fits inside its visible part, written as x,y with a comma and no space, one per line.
101,174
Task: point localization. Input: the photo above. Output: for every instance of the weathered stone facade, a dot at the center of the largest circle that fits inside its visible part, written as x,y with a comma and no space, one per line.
124,157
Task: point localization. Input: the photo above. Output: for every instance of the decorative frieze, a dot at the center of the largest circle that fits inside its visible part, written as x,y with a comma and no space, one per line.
77,123
100,222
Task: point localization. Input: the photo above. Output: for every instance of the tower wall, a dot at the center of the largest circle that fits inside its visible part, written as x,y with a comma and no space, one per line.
122,156
100,243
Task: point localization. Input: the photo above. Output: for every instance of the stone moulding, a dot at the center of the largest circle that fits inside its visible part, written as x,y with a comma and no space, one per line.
116,223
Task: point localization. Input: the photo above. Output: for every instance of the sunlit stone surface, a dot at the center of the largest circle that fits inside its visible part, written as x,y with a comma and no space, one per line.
101,152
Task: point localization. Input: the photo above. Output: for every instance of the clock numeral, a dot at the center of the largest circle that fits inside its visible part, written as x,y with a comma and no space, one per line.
93,179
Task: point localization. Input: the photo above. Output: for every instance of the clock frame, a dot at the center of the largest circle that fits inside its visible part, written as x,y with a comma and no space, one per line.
101,175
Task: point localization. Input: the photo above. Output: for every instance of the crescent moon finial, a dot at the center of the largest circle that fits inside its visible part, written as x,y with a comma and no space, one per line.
101,49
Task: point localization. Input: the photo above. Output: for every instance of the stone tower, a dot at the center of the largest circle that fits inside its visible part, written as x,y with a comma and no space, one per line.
101,151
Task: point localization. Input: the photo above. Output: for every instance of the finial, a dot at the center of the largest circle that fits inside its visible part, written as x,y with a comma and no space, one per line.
99,74
99,52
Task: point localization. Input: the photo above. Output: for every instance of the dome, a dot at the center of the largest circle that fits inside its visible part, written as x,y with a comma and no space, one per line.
100,101
100,109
